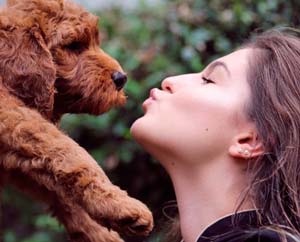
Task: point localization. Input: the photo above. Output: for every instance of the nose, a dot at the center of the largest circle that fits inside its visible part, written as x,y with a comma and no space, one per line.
167,84
119,79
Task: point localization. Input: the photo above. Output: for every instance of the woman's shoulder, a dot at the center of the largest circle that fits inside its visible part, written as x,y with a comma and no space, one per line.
252,235
264,235
243,227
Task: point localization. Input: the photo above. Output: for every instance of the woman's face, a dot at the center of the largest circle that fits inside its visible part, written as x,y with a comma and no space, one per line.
196,116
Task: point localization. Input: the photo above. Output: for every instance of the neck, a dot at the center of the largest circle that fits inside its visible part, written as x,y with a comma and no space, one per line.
205,194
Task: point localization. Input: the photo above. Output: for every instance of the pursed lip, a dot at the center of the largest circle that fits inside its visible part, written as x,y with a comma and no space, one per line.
150,99
152,93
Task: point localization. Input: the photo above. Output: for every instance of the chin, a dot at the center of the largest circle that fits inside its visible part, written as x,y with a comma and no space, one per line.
147,135
144,131
136,129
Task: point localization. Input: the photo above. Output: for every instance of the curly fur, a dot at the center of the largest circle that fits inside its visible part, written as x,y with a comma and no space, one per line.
51,64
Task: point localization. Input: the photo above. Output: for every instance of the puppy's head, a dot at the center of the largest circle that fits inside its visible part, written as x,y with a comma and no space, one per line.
50,59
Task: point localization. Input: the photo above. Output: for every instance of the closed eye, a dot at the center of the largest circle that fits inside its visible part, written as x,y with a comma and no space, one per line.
206,80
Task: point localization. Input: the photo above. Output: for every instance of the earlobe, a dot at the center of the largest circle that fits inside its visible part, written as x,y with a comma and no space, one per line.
246,146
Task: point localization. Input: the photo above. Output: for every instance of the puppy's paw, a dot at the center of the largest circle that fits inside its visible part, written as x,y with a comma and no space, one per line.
133,218
114,209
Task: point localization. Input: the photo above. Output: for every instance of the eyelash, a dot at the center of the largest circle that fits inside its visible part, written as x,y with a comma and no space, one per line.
206,80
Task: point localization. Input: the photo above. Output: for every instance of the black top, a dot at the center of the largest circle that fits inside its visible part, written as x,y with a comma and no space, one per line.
242,227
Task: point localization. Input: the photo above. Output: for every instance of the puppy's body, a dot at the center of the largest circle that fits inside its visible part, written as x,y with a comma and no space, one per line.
51,64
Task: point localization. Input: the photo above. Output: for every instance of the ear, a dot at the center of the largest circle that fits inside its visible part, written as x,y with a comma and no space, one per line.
246,145
27,68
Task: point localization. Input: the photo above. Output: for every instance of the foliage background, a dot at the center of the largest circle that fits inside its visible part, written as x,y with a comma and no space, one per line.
151,43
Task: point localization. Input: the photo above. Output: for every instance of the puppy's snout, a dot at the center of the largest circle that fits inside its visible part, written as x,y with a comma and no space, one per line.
119,79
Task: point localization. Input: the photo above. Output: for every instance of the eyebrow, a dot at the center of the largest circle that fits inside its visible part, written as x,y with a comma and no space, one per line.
215,64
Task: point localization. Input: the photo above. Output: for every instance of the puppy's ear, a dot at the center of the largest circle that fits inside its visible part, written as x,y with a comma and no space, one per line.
27,68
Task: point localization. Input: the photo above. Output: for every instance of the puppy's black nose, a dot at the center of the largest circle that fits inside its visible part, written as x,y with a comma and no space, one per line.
119,79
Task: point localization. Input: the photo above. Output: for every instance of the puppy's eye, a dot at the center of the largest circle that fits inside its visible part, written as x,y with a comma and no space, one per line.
76,46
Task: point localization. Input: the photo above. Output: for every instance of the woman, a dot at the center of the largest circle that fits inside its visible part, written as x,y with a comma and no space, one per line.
229,137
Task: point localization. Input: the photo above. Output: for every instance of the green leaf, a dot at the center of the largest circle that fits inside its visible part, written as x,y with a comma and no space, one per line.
9,236
47,222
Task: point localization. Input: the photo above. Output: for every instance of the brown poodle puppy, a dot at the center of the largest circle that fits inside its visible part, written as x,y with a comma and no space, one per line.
51,64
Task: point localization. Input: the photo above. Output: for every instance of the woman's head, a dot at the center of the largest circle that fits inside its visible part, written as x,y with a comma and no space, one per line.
252,105
198,115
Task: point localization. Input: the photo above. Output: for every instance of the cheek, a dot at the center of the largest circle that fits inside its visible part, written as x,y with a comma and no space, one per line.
185,123
203,125
201,112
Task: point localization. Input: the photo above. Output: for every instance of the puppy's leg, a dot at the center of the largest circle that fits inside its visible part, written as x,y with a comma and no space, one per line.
39,150
78,224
